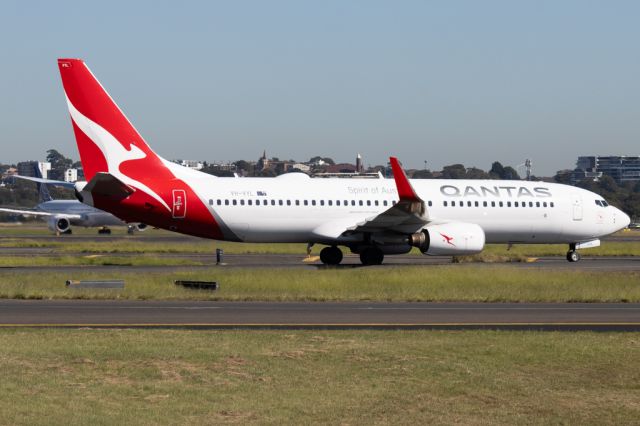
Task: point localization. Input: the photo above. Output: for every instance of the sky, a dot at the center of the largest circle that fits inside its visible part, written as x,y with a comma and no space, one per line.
445,82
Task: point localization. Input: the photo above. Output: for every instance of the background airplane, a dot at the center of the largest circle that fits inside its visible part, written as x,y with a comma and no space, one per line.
370,217
62,214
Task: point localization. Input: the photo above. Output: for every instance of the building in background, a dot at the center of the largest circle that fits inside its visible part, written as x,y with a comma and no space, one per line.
71,175
28,168
621,168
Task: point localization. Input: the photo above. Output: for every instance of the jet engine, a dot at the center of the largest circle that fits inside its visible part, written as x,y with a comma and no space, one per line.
141,227
449,239
59,224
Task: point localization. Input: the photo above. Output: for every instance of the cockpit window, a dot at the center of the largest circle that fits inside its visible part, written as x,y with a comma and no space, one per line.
604,203
599,203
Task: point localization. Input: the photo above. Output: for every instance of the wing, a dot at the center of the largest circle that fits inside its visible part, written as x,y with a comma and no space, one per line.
40,213
407,216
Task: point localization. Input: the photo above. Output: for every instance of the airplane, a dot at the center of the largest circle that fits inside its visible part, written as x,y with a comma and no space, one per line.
370,217
61,214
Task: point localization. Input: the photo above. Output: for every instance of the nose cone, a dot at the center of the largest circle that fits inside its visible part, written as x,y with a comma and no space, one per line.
622,220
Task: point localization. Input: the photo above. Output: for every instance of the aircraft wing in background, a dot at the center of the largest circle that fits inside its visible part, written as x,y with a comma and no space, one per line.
60,183
40,213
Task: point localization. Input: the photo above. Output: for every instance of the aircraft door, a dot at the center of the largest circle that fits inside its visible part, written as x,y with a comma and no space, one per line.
179,209
576,206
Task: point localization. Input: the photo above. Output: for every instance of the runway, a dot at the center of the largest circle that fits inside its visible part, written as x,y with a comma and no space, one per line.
296,315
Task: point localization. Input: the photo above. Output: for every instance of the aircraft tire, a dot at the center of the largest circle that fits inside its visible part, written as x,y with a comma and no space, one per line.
331,255
372,256
573,256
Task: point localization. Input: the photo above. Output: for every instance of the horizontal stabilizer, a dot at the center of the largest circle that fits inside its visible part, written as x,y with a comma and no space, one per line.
60,183
107,185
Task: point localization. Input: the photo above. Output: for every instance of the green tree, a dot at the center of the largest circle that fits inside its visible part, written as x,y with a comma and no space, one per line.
59,163
475,173
497,170
510,173
454,171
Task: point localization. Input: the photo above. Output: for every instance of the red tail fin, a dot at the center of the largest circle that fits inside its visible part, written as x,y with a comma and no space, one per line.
104,135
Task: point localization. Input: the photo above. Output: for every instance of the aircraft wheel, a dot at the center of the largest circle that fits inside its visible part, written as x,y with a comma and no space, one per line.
371,256
573,256
331,255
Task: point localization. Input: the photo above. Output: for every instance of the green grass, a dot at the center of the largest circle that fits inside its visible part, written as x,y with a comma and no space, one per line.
434,283
103,377
93,260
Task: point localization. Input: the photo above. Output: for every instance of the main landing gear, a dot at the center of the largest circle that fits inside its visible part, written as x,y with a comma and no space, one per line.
331,255
371,256
104,231
572,254
368,256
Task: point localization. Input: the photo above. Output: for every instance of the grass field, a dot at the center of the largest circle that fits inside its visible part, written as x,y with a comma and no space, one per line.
61,377
405,283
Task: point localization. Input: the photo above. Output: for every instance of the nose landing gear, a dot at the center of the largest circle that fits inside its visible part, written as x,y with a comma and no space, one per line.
573,255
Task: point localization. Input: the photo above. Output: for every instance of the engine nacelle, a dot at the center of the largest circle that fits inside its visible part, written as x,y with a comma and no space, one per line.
59,224
141,227
449,239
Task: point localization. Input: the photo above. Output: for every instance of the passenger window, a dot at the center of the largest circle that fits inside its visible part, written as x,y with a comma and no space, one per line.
353,202
384,203
530,203
306,202
537,203
313,202
337,202
477,204
273,202
484,204
257,202
288,202
346,203
394,202
297,202
226,202
429,203
210,202
515,204
235,202
330,202
280,202
493,204
376,202
500,203
250,202
361,203
219,202
544,204
508,203
551,204
368,202
468,203
322,202
444,203
242,202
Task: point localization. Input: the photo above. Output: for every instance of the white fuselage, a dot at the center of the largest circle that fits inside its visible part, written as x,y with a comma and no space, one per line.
296,208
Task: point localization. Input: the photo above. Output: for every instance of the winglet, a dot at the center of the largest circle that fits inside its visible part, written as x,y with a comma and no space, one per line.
405,190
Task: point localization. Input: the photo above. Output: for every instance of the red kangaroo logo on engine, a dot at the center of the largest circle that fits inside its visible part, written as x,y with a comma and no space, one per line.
448,239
